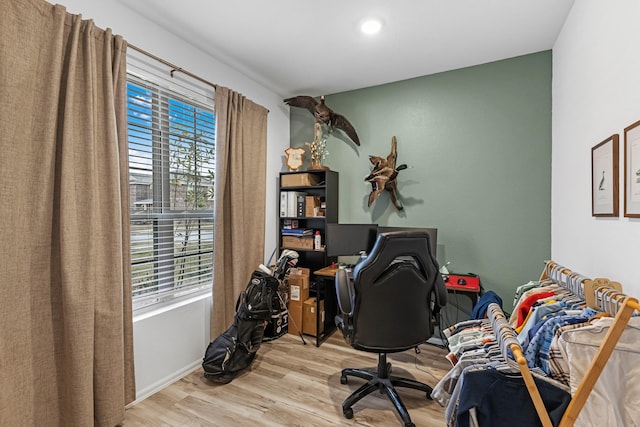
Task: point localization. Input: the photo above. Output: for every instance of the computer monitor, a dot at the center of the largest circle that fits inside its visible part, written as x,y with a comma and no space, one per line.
349,239
433,234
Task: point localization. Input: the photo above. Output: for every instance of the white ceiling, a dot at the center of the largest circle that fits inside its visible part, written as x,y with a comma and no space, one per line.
298,47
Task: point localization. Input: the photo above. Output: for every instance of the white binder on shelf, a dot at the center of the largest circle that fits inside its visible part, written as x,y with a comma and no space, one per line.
292,203
284,204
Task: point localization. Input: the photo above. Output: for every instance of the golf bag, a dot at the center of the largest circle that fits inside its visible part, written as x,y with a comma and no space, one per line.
235,348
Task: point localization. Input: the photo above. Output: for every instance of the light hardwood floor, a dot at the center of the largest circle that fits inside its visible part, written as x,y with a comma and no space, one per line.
290,384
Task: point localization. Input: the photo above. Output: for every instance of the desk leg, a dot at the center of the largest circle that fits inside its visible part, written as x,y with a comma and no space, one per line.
473,296
459,308
325,289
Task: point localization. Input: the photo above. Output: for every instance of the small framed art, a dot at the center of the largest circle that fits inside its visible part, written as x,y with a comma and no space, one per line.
294,158
632,170
605,177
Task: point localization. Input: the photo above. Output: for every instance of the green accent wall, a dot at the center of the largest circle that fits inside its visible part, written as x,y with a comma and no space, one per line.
478,145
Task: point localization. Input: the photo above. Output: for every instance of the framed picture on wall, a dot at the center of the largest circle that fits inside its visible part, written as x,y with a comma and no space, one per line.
632,170
604,177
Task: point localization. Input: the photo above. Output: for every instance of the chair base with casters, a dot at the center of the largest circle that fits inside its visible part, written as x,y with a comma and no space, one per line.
383,381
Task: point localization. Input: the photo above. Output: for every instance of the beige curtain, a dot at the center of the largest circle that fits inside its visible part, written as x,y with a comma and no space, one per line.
65,298
241,148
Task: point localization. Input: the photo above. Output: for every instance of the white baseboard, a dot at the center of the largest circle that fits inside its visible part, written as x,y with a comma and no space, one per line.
164,382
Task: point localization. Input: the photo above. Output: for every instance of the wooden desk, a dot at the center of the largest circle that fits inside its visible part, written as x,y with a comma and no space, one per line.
470,288
325,281
328,271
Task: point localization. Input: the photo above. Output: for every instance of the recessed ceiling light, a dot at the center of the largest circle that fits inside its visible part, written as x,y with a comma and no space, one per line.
370,25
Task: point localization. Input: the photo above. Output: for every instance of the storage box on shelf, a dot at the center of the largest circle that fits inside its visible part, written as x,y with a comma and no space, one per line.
293,242
312,206
300,179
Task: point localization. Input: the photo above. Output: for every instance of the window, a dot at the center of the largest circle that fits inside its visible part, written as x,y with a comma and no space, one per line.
171,133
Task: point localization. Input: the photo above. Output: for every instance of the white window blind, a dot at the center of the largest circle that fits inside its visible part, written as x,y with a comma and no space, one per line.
171,132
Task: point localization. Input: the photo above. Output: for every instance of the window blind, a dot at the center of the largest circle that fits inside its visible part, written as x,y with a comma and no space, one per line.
171,135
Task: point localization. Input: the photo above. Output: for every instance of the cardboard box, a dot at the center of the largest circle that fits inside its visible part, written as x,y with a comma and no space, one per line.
311,206
299,180
298,280
295,316
298,289
309,315
299,285
300,271
295,242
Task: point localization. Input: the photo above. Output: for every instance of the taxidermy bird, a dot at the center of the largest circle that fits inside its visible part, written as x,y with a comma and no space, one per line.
324,115
384,174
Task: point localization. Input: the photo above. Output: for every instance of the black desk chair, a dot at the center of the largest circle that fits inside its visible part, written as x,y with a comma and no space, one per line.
390,304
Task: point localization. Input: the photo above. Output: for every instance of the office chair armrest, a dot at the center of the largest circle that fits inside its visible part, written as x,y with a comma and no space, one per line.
440,291
345,291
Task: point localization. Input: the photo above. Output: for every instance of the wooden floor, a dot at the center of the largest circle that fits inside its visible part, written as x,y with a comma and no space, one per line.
290,384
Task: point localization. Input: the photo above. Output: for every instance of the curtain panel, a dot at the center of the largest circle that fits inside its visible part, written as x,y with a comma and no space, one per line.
241,148
66,342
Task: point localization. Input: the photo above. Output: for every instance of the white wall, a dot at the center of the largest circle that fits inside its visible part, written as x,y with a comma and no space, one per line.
168,343
596,93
